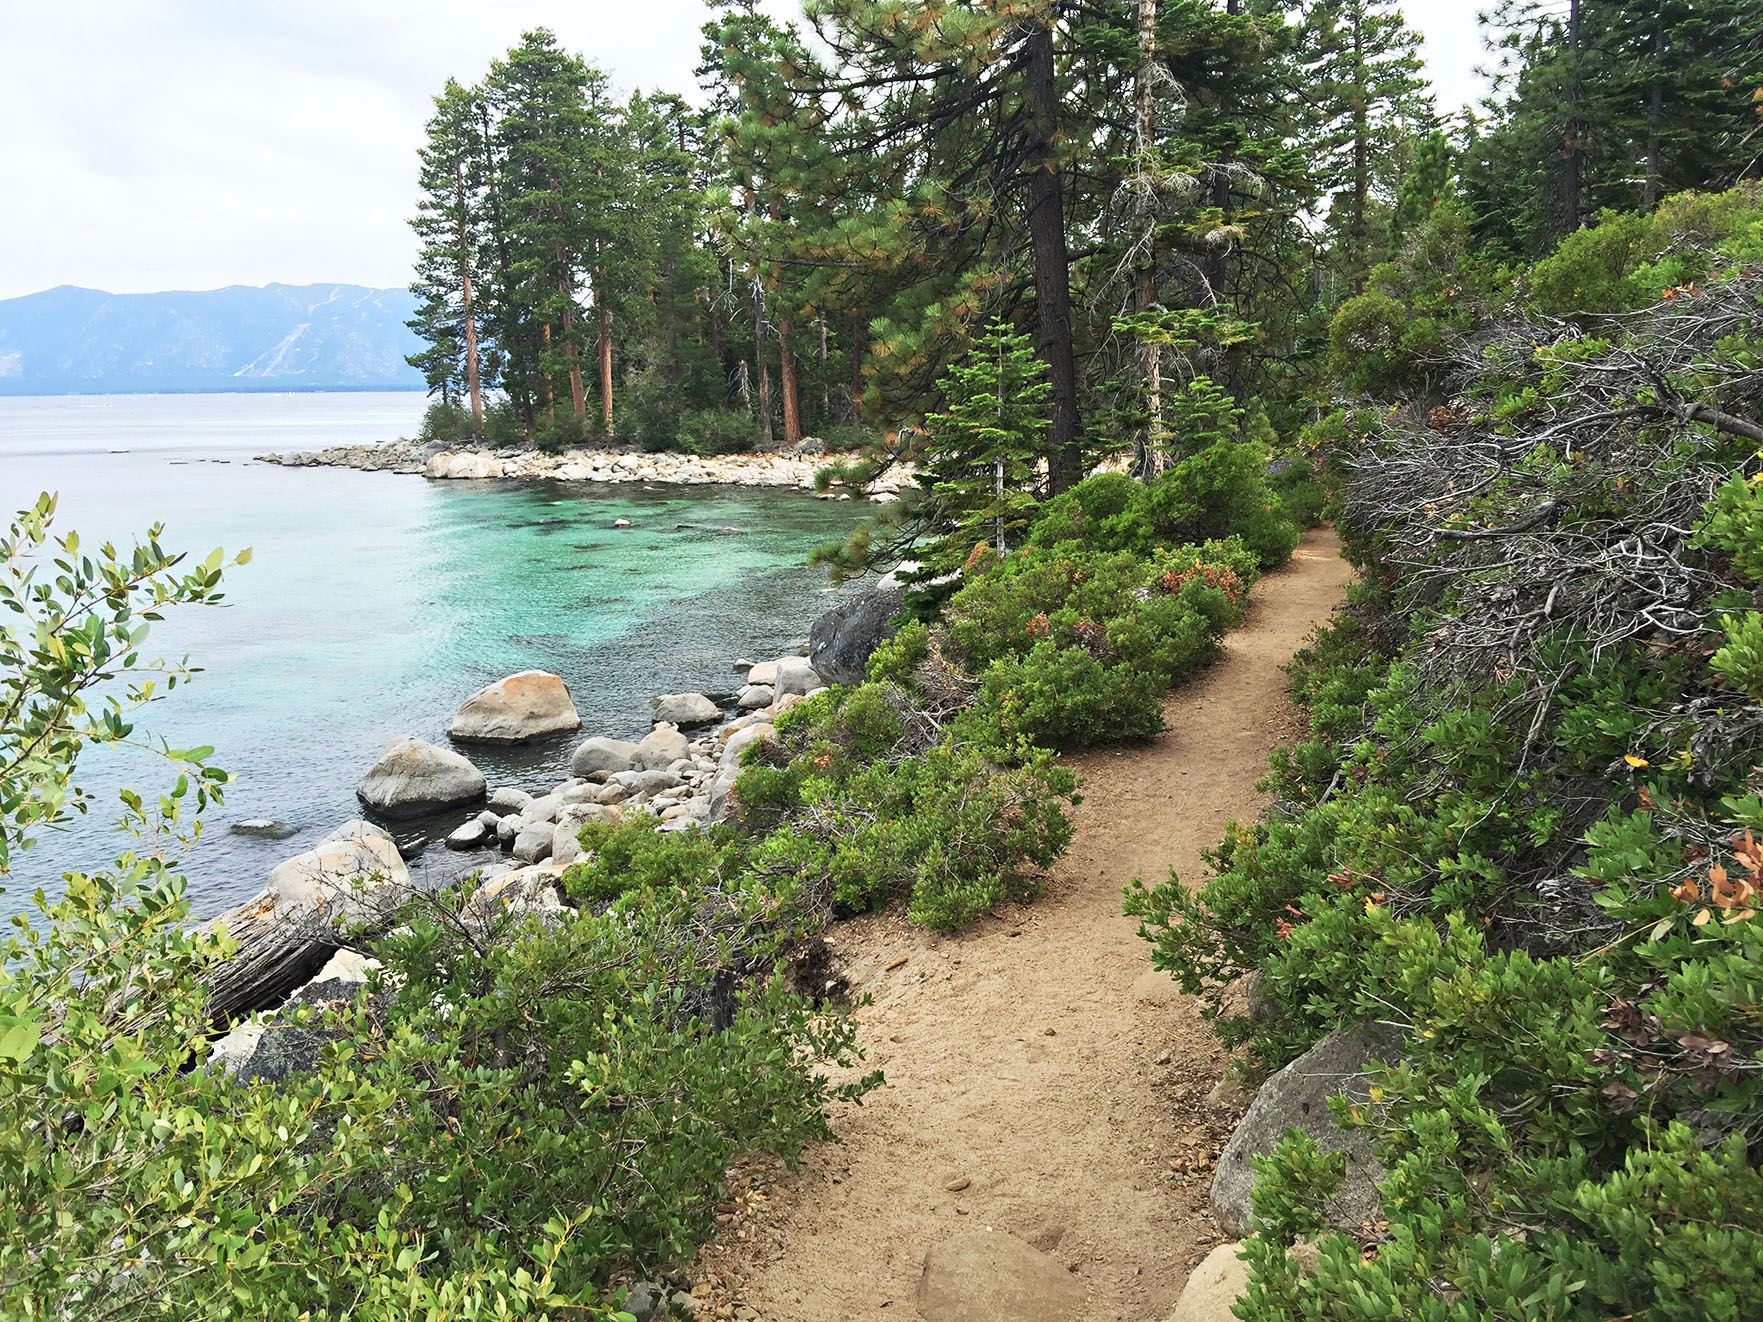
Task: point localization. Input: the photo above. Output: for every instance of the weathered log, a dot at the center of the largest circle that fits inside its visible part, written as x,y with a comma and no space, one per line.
286,932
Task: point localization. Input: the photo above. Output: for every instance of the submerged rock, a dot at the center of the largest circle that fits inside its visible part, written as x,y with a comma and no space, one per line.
515,710
413,778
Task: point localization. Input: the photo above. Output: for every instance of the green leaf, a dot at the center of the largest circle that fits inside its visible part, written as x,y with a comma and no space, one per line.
18,1038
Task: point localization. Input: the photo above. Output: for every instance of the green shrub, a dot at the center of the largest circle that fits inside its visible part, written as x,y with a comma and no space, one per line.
1063,697
448,423
864,797
715,431
1223,492
1106,512
1591,270
563,431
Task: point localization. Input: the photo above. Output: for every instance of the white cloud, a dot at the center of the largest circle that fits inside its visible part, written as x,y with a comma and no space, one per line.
161,144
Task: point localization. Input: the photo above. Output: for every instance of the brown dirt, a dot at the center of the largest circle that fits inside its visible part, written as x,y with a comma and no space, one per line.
1021,1058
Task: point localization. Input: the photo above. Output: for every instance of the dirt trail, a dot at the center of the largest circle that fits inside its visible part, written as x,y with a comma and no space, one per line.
1034,1057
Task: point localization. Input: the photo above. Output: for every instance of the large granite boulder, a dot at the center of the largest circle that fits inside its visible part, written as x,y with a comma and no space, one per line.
841,641
413,778
995,1276
1297,1098
795,674
610,755
514,710
686,709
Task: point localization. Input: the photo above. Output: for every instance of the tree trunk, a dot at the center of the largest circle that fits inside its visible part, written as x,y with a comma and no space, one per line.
1052,265
856,370
513,350
826,398
765,430
578,398
603,348
787,383
1361,155
546,399
1655,119
1149,460
471,363
1570,138
275,956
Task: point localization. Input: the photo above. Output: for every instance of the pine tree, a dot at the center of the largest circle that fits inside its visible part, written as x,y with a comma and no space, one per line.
986,445
1362,67
447,225
1610,104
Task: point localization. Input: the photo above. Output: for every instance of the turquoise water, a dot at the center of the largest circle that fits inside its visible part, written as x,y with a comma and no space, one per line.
375,603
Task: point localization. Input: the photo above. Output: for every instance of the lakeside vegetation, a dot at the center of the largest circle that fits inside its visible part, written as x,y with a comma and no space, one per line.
1522,826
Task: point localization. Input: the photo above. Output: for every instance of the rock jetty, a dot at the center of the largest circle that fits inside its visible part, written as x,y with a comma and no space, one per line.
614,466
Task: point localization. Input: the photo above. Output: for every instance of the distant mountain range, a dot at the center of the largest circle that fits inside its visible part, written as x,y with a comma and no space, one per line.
72,341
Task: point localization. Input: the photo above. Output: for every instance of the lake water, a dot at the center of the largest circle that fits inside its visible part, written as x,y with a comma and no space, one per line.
375,603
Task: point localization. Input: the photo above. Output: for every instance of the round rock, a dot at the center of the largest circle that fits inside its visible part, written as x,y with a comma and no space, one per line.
686,709
413,778
516,709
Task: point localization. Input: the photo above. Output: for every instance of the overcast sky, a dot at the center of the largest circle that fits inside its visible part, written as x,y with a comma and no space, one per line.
189,144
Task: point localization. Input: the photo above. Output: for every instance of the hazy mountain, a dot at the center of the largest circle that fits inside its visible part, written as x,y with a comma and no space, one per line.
72,341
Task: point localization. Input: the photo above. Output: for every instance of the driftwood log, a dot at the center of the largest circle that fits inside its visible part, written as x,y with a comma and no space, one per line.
286,932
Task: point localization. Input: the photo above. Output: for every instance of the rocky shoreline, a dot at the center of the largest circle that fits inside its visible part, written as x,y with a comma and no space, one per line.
678,773
613,466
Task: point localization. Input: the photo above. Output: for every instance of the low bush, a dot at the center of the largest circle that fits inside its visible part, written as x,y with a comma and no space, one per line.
716,431
448,423
1524,827
864,797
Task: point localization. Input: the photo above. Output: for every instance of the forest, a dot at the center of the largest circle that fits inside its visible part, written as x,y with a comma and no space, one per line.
1136,291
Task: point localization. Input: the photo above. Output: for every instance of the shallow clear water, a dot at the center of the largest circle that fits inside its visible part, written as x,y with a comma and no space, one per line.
375,603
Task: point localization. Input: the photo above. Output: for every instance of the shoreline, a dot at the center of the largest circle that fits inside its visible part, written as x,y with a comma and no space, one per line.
612,466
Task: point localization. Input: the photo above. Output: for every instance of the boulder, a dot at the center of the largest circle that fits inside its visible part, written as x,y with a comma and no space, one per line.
763,675
473,834
565,848
507,799
264,828
1213,1288
686,709
840,643
754,697
602,755
515,710
660,749
533,843
273,1052
508,828
1297,1098
989,1274
646,782
413,778
796,675
543,809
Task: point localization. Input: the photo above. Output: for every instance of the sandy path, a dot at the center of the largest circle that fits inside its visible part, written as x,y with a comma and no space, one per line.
1021,1058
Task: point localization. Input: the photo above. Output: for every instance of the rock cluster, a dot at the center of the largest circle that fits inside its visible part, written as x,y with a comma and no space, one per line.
795,469
683,780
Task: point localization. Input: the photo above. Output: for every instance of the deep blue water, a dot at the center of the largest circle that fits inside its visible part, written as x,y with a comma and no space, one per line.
375,603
